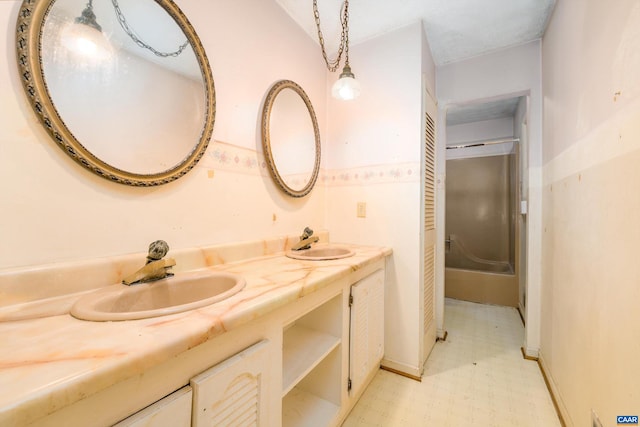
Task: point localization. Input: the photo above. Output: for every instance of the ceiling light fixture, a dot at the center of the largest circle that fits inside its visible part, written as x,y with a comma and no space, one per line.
84,37
88,17
346,87
87,37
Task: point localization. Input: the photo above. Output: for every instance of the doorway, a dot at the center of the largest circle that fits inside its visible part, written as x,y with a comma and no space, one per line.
484,225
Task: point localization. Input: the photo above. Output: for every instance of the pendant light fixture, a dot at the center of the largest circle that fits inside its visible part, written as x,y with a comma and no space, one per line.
87,17
84,37
346,87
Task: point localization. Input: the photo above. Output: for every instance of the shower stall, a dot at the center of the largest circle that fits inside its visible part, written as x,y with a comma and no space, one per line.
481,255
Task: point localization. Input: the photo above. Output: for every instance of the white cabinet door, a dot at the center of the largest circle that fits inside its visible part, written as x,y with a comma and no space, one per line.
232,393
171,411
367,329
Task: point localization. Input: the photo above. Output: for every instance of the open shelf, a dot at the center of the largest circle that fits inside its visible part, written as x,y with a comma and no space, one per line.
303,349
301,408
312,366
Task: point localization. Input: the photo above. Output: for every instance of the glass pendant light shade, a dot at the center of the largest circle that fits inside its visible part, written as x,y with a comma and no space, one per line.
84,37
346,87
86,41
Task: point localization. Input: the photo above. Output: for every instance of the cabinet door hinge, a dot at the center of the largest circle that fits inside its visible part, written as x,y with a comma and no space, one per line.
349,384
350,300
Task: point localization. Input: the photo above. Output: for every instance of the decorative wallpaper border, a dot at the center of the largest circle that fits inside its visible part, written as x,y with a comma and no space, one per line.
378,174
232,158
228,157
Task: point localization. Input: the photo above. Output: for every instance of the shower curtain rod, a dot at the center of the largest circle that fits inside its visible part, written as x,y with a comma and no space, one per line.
483,143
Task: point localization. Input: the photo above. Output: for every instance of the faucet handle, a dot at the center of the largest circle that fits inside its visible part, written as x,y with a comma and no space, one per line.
306,233
157,250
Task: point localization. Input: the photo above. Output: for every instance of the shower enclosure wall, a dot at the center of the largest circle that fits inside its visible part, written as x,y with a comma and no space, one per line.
481,229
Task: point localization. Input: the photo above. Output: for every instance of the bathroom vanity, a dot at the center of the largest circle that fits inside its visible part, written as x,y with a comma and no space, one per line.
282,341
297,346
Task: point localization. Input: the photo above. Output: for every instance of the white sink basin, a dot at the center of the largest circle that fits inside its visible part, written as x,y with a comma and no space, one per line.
321,253
182,292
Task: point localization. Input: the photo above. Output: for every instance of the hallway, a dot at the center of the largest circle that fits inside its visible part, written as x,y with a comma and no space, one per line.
477,377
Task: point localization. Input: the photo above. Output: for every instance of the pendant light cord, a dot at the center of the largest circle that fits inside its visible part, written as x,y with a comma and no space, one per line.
125,26
333,65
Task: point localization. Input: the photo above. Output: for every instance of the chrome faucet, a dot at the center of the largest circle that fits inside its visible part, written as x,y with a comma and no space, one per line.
306,239
156,267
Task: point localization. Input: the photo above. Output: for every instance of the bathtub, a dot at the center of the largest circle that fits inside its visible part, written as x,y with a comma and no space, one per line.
487,287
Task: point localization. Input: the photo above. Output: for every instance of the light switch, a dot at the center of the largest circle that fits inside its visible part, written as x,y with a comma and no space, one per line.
362,210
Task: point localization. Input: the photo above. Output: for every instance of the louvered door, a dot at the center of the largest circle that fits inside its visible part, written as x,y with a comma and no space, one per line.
429,231
231,393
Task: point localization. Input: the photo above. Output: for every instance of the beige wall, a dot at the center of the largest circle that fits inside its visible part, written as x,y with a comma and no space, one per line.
591,199
54,210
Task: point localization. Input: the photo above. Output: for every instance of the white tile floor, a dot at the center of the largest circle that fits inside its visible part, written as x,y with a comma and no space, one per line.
477,377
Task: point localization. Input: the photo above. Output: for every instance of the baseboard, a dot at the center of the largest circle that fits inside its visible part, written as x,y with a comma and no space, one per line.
561,409
520,311
401,369
401,373
530,353
527,356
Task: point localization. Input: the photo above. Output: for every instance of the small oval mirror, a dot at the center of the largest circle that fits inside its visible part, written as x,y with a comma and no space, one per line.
122,86
290,138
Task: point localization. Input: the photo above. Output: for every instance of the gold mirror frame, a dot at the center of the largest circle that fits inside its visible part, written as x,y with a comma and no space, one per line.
266,140
28,38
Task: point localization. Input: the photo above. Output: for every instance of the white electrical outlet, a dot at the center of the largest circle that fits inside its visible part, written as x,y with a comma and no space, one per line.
362,210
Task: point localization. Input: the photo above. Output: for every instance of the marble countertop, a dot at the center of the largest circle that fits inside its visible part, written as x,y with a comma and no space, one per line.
51,362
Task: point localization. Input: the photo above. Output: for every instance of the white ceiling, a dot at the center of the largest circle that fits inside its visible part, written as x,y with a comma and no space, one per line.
456,29
478,112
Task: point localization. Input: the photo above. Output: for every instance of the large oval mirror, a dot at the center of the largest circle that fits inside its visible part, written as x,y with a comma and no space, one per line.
290,138
123,86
